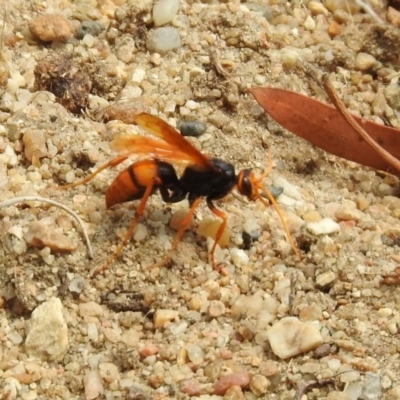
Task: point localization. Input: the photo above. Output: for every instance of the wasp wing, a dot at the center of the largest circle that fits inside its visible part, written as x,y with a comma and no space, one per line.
141,146
168,134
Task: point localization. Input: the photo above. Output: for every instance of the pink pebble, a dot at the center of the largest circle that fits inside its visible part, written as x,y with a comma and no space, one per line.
241,379
149,350
190,387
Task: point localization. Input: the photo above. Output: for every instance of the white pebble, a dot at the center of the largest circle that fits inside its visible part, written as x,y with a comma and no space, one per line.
178,328
290,337
195,354
88,40
164,11
239,257
137,76
140,233
309,23
163,40
323,227
15,337
12,156
289,58
15,82
92,331
325,278
192,105
170,106
17,231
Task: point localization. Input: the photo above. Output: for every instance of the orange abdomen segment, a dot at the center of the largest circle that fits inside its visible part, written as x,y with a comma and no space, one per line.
131,183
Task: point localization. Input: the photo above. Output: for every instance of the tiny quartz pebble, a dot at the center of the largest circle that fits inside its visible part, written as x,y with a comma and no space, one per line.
164,39
323,227
164,11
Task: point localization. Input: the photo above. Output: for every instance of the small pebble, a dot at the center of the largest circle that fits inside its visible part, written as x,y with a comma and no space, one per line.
164,11
290,337
317,8
162,40
345,5
324,227
47,334
90,309
92,28
322,351
392,95
384,189
109,372
259,385
216,308
364,62
337,396
393,16
326,278
239,257
140,232
241,379
149,349
92,331
191,387
43,235
35,145
161,317
194,128
93,386
50,28
348,212
195,354
250,306
130,337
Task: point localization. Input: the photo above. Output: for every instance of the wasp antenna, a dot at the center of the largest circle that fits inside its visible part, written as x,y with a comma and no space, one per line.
279,212
269,168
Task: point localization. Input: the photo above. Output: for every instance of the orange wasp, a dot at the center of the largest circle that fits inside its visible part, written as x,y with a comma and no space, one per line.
211,178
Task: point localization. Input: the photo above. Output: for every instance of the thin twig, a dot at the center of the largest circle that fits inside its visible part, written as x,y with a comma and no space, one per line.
337,102
341,108
54,203
369,10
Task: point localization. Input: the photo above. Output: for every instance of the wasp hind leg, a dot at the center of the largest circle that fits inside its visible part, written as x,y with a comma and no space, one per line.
182,227
218,235
138,214
113,163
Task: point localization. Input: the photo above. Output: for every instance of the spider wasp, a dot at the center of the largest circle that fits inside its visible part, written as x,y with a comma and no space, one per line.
203,177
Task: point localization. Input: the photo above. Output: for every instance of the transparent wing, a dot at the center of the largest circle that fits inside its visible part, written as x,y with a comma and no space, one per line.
168,134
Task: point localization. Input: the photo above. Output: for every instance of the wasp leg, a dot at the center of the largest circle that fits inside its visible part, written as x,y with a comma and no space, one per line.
114,162
138,214
182,227
218,235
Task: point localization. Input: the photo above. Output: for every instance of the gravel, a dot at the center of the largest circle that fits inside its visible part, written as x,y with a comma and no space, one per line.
270,325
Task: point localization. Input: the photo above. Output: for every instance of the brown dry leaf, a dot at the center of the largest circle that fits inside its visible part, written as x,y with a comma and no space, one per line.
323,126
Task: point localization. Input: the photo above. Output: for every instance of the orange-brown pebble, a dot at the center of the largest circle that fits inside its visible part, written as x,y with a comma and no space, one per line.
334,29
50,28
